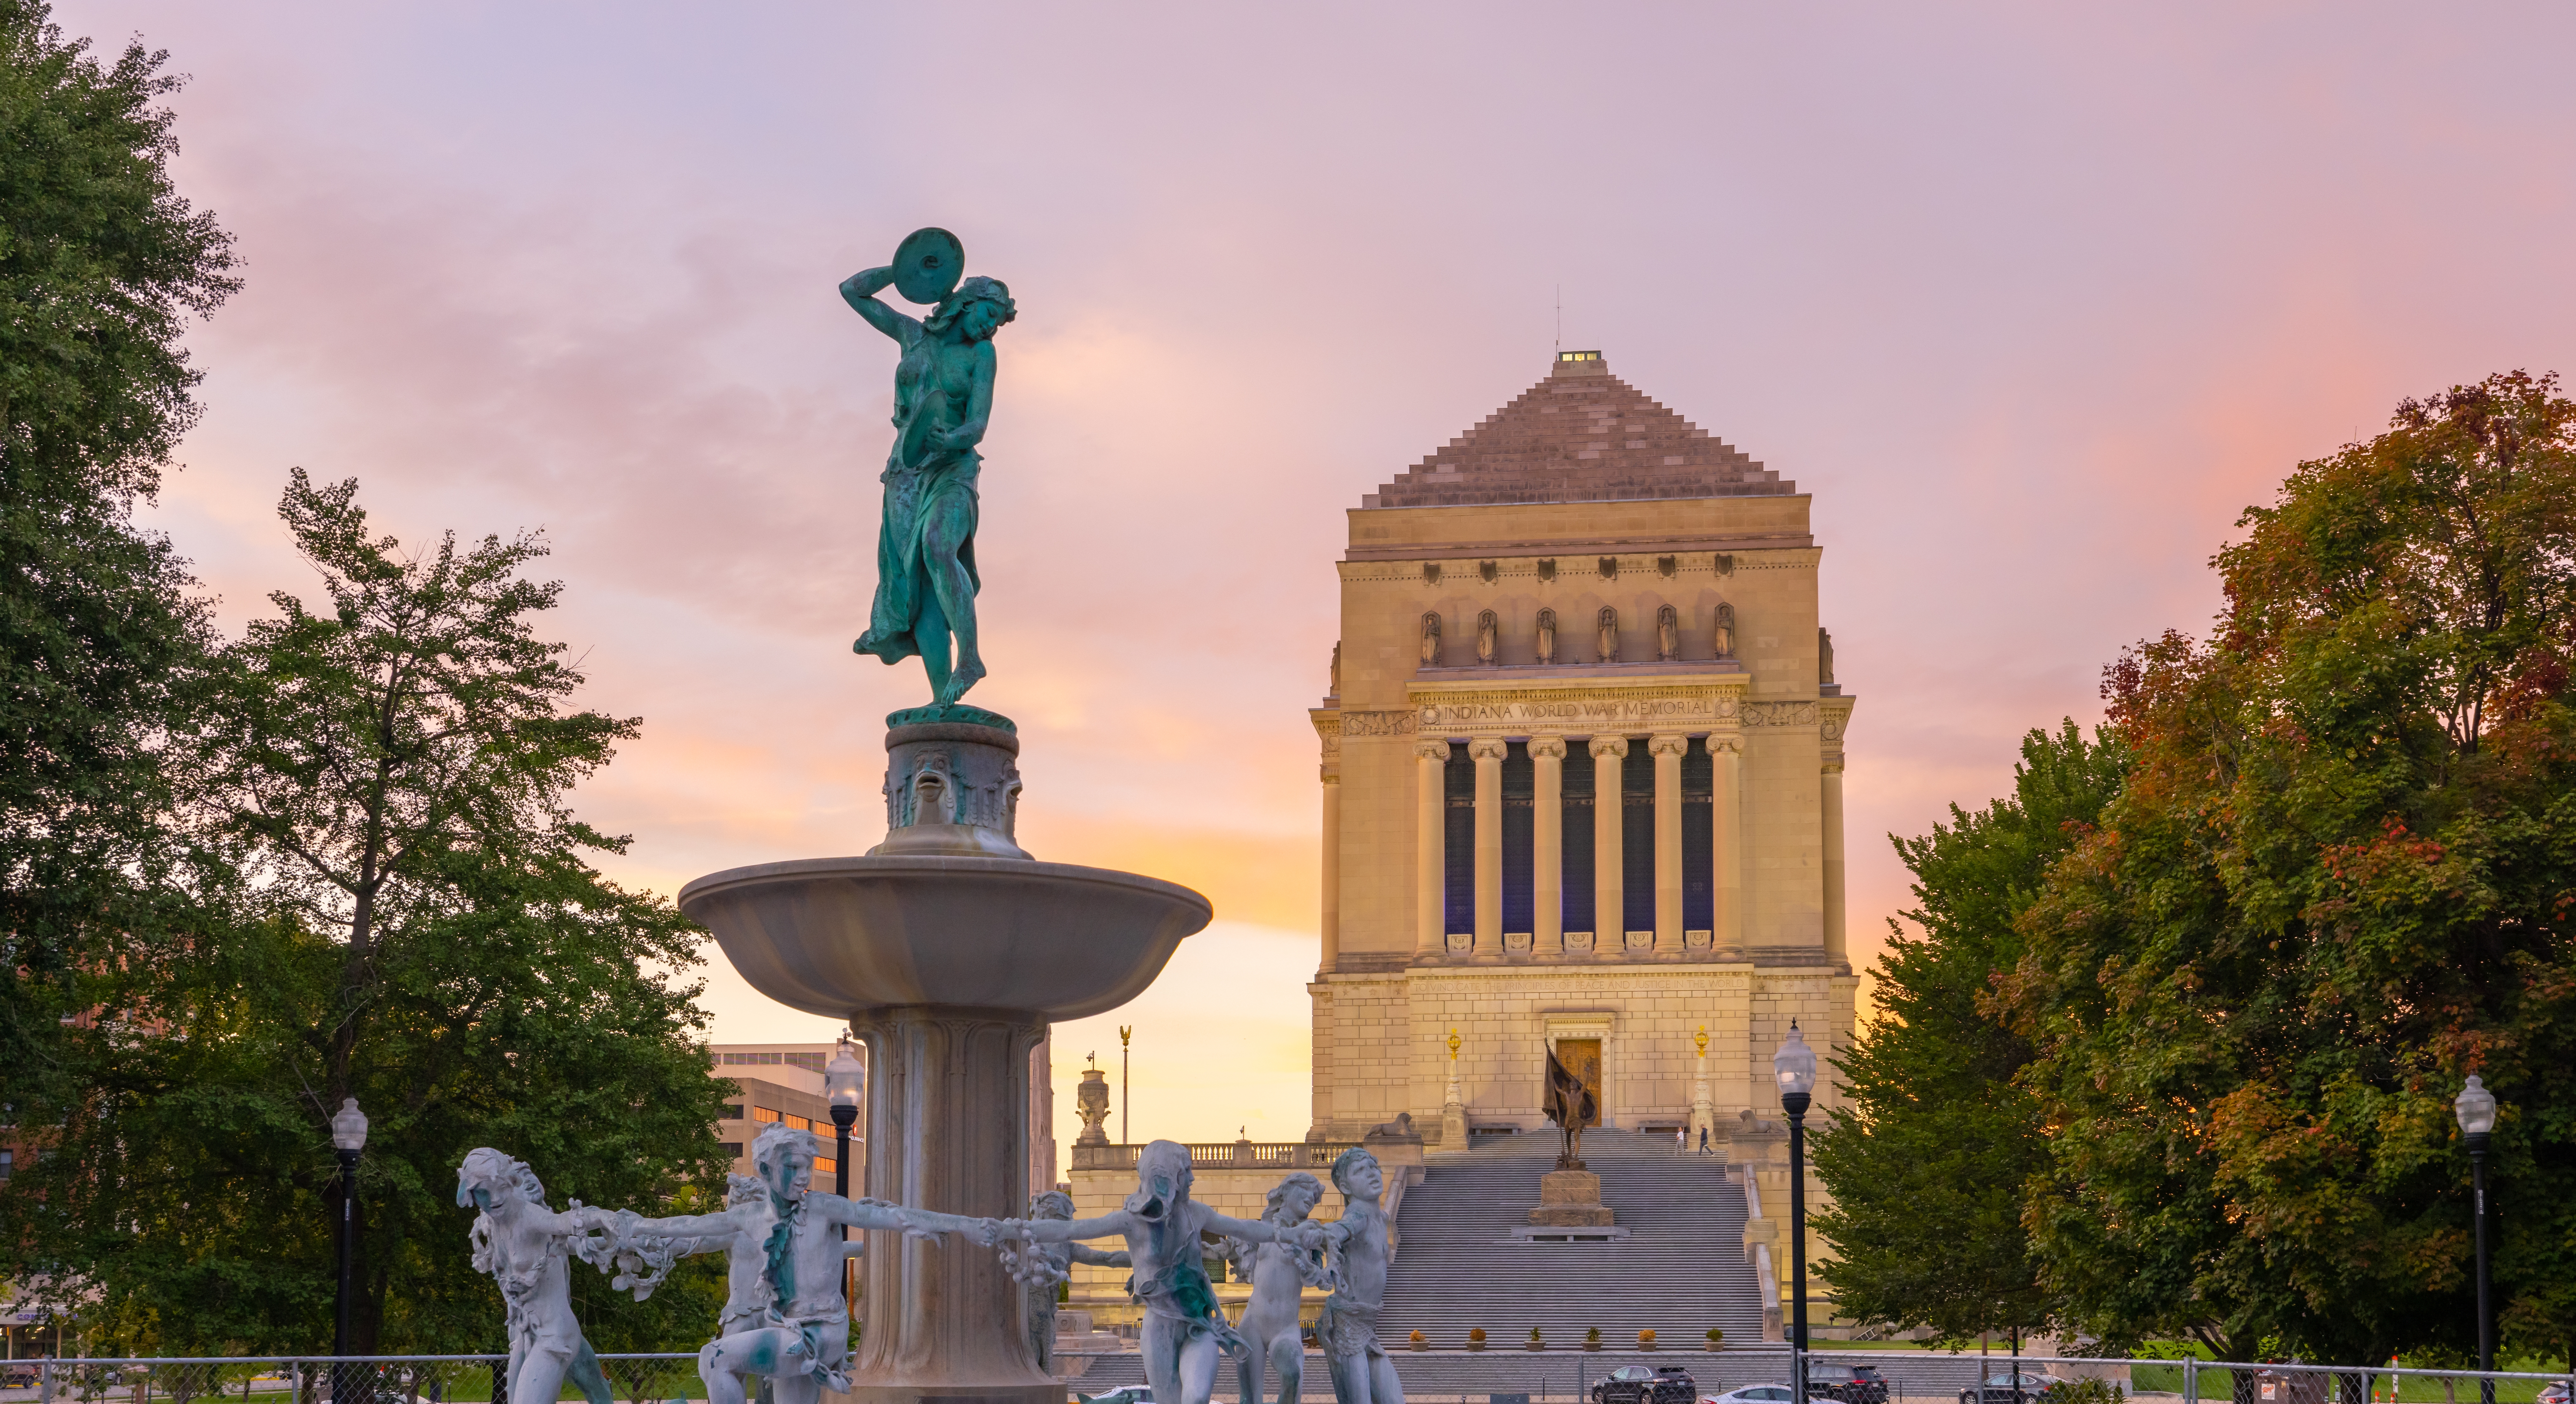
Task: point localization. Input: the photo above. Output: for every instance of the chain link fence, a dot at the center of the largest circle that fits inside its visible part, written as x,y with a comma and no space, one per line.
391,1379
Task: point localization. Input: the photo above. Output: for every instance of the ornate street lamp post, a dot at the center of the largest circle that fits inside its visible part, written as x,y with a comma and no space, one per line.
1795,1066
2476,1109
845,1083
349,1138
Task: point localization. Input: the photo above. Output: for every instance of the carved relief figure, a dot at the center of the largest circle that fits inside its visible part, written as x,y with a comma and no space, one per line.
1278,1273
1488,638
1431,639
1346,1328
1668,635
1725,635
1184,1330
1608,643
1333,684
1825,657
1546,647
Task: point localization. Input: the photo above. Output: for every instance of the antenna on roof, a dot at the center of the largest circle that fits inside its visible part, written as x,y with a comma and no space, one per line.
1560,319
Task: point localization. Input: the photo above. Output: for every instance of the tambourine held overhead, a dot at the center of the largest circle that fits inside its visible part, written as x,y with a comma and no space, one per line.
927,265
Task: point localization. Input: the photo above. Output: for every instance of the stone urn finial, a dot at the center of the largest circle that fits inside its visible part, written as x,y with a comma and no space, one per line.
1091,1103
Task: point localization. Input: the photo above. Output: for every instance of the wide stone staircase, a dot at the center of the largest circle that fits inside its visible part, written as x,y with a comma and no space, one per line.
1680,1271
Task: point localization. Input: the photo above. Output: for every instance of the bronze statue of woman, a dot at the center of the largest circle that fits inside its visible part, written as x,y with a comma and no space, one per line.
943,398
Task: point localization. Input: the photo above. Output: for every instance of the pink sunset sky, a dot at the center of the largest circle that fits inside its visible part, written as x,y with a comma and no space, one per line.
2032,299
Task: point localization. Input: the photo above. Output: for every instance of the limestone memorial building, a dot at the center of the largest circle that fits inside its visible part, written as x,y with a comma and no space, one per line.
1582,780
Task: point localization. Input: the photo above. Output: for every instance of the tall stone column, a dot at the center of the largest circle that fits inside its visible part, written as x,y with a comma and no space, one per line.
1726,837
1430,879
1332,911
1609,908
1667,751
1831,812
946,1111
1547,845
1488,753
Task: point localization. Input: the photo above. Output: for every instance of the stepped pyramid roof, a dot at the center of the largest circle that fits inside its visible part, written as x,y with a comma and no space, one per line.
1581,435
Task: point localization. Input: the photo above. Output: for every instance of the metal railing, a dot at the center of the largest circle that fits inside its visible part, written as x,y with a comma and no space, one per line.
1264,1155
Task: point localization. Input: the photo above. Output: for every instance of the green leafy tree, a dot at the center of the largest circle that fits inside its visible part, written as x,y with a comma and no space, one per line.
395,906
1928,1160
2338,880
102,264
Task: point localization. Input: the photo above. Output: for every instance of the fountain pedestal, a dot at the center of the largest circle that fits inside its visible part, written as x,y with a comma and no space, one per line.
949,951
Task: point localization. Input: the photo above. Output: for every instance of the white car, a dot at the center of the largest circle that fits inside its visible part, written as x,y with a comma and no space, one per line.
1751,1394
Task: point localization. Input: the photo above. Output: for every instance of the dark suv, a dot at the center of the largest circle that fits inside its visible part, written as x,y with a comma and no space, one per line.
1852,1384
1635,1384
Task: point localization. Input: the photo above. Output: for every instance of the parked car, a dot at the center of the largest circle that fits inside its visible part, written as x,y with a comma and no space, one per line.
1998,1388
1751,1394
2554,1392
1852,1384
1635,1384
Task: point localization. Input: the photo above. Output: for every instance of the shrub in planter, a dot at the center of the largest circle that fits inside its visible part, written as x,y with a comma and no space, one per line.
1534,1342
1646,1339
1716,1339
1476,1338
1418,1343
1592,1339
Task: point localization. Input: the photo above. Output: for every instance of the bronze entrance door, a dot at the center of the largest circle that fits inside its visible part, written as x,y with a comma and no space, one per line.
1582,1057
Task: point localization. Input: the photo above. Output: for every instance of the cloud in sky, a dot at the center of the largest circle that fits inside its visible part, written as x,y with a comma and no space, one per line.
2032,300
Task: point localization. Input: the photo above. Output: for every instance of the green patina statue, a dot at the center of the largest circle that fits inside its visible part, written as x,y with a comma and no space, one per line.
943,397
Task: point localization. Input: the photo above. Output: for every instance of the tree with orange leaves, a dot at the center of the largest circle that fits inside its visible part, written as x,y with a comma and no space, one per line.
2338,879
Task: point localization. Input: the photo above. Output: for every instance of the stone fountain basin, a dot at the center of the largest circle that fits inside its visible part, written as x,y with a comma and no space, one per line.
833,936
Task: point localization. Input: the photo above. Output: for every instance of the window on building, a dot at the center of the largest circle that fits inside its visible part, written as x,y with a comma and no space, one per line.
732,1149
825,1166
1637,834
1520,786
1576,828
733,1111
1458,840
1699,898
763,1114
800,1123
8,1165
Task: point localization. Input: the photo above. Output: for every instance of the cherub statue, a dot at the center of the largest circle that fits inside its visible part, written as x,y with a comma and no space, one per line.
525,1246
1279,1272
1347,1327
943,399
1161,1223
1041,1266
801,1337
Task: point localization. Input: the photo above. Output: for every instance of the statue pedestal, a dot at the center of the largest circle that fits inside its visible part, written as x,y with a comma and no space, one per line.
1571,1199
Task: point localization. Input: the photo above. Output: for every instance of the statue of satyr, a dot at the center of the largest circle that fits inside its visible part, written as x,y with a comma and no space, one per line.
943,398
1724,639
1546,647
